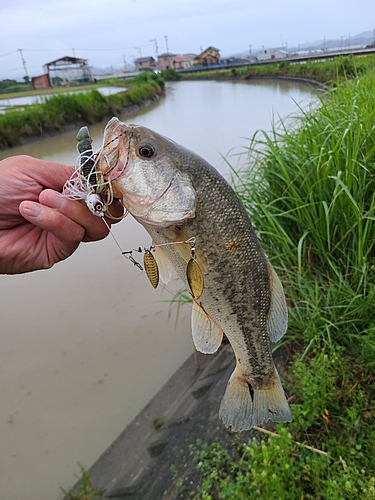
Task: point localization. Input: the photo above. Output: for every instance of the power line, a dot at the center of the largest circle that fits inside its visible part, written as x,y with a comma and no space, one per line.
121,49
9,53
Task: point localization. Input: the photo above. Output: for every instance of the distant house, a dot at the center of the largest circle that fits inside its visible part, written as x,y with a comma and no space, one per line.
165,61
41,82
145,64
173,61
208,57
182,62
269,55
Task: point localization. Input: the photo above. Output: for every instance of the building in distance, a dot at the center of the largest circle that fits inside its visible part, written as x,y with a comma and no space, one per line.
145,64
41,82
269,55
63,71
208,57
173,61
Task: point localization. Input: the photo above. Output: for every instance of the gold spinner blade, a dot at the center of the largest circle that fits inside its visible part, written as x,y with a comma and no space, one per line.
151,268
195,278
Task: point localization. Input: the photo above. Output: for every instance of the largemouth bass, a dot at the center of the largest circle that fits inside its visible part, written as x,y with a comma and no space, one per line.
178,197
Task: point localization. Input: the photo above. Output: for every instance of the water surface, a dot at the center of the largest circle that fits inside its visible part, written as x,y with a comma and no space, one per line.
85,345
38,99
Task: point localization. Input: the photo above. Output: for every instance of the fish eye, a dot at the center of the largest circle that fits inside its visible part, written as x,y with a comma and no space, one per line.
146,150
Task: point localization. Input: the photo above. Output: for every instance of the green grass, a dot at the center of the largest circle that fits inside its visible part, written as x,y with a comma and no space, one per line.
38,119
86,490
310,192
329,71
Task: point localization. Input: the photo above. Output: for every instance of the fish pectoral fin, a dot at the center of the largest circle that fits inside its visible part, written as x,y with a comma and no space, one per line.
207,335
243,406
164,264
277,316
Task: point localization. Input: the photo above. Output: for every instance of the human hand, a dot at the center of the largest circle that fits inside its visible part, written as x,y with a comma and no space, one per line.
38,227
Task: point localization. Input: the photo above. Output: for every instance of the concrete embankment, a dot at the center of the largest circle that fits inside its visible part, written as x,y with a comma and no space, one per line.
151,459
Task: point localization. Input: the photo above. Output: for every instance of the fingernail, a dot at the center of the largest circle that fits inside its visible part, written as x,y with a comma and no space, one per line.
31,209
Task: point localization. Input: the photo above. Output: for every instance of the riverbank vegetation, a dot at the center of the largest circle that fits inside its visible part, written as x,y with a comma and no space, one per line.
328,72
64,109
310,192
8,86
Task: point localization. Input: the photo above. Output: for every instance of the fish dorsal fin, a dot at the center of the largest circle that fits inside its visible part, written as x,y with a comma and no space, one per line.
164,265
277,316
207,335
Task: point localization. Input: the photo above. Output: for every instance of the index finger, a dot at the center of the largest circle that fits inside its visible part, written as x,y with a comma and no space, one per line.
95,228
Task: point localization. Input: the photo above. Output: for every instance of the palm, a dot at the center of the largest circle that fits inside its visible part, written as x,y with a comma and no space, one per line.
28,248
25,244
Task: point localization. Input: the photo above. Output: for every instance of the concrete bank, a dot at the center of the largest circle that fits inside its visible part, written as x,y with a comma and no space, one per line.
151,459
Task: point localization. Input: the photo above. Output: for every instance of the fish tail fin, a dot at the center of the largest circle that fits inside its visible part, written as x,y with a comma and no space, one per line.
243,406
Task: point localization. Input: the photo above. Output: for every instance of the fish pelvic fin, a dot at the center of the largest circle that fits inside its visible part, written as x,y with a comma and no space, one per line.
164,264
243,406
277,316
207,335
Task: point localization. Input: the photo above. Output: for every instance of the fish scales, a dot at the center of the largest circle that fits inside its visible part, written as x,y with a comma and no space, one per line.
176,195
238,267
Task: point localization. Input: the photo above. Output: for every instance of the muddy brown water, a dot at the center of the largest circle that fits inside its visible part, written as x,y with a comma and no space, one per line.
85,345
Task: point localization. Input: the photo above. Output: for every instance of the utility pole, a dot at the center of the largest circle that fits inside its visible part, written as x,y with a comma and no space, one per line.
140,51
166,43
249,49
156,46
74,53
123,58
24,64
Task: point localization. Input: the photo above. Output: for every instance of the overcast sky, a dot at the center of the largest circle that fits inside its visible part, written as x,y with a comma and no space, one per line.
106,32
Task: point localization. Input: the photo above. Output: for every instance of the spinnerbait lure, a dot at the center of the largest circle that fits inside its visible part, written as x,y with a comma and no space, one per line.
93,199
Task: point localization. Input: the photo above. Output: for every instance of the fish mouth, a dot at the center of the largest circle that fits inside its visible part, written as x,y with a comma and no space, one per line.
114,154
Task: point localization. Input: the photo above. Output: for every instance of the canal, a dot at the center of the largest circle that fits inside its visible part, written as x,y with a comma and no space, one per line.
86,344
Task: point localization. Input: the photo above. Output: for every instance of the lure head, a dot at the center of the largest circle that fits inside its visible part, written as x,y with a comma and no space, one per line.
95,204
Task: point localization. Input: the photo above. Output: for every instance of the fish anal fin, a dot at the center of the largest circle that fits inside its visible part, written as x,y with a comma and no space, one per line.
164,264
277,316
207,335
244,406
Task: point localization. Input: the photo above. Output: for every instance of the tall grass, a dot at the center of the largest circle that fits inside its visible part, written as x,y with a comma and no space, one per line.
310,193
309,190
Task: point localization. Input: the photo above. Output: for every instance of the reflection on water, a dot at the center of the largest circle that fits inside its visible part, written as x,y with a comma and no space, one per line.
86,344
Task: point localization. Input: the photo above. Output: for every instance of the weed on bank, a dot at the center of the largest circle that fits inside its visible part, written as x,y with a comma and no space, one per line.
310,192
37,120
330,71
